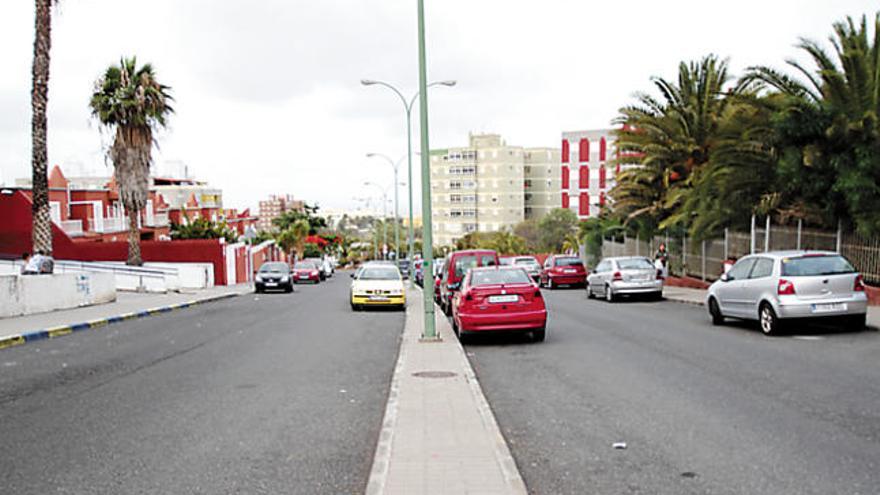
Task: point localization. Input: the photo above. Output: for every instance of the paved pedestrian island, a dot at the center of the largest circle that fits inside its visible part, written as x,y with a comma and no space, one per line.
439,435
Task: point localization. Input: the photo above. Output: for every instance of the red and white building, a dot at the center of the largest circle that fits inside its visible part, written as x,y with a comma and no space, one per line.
588,170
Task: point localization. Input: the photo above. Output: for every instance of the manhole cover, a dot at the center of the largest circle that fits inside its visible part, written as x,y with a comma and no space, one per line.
434,374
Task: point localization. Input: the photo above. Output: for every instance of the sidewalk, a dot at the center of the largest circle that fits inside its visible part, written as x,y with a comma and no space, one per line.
439,435
698,296
127,305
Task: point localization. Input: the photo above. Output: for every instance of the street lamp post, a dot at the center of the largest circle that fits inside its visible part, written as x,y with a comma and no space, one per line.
407,105
384,216
394,166
429,332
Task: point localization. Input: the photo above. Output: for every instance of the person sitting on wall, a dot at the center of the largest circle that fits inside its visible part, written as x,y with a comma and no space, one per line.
28,267
47,264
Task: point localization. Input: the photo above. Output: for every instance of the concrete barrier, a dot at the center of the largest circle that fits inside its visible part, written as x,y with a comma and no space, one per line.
24,295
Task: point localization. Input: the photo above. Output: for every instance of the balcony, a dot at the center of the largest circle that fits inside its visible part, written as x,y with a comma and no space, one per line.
114,224
73,228
158,220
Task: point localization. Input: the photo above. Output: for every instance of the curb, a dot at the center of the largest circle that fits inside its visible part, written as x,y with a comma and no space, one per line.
685,301
59,331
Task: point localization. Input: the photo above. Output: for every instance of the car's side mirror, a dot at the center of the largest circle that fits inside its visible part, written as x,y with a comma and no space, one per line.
352,275
725,277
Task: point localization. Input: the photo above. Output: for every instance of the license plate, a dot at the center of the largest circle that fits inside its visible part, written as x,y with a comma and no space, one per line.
828,308
503,299
303,277
378,298
271,284
642,278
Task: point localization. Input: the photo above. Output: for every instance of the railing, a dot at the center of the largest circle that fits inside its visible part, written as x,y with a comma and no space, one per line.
114,224
159,220
705,259
157,275
73,228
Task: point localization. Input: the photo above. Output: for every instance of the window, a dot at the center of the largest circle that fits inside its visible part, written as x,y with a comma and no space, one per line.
816,265
455,198
497,277
455,185
763,268
565,177
741,269
565,151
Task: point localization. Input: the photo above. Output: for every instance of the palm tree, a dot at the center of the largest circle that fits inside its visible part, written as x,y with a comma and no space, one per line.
42,223
838,105
300,230
672,138
130,101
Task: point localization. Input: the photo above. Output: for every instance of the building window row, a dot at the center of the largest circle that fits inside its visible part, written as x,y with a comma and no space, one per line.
465,170
462,184
461,155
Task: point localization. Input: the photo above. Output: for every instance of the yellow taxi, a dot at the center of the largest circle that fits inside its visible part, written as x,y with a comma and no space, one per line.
377,285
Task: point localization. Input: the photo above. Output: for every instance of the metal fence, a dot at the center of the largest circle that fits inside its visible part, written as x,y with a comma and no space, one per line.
705,259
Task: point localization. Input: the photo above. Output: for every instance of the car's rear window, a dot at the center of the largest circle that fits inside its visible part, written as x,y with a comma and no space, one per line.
379,273
635,264
496,277
809,266
465,263
526,261
568,262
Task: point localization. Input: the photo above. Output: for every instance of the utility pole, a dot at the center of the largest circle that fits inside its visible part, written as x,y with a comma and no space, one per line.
429,332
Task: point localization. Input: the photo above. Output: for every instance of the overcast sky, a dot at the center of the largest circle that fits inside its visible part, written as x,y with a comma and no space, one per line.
267,92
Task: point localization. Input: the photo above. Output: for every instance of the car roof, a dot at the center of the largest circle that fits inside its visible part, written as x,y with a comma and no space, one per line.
474,251
793,253
494,268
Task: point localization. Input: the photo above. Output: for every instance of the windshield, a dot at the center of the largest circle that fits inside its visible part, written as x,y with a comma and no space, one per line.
808,266
569,262
379,273
273,267
635,264
496,277
306,265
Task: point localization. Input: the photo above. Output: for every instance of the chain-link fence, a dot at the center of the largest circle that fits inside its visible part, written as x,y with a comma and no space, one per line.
705,259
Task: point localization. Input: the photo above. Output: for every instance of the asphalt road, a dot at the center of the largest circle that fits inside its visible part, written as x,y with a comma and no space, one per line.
276,393
702,410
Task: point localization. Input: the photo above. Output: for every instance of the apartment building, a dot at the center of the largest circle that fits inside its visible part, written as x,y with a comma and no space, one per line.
478,188
542,181
275,206
587,170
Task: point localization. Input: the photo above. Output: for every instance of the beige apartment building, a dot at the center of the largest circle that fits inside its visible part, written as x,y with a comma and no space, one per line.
484,187
274,207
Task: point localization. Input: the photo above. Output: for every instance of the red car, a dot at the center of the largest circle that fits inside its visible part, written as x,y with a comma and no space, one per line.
456,267
306,271
499,299
563,270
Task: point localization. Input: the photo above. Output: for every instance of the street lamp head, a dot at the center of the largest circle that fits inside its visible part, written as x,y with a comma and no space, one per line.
367,82
450,82
370,155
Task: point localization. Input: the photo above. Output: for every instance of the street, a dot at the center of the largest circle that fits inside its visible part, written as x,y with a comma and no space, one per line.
701,409
269,393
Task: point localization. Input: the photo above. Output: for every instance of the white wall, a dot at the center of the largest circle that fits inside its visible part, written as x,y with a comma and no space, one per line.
24,295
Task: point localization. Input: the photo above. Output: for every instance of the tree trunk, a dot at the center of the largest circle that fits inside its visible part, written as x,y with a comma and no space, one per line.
42,223
134,239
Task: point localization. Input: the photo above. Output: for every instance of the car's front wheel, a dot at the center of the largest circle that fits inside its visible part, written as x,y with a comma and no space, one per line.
590,294
770,324
715,312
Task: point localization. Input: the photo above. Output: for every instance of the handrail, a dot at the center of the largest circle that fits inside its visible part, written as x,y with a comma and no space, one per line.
153,272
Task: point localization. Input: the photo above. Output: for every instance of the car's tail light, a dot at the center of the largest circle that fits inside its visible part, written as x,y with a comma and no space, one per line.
785,288
618,276
859,284
659,274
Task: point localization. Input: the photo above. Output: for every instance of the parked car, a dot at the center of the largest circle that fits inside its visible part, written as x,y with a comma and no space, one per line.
273,275
630,275
438,275
377,285
306,271
505,260
403,266
530,264
777,287
319,264
499,298
563,270
328,267
456,267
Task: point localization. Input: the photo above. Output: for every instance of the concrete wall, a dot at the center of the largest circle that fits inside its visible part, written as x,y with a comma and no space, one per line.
24,295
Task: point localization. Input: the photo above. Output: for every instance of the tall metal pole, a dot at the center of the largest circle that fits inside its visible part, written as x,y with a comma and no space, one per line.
767,235
429,332
396,222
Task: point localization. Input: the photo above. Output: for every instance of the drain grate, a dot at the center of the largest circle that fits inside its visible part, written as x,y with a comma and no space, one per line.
434,374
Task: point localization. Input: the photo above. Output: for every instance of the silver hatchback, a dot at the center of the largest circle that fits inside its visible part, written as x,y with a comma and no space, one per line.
776,286
629,275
